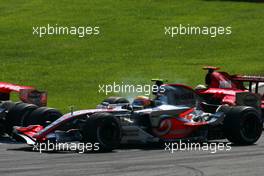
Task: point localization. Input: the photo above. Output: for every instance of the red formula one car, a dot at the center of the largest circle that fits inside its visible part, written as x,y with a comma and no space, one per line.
173,114
232,90
29,110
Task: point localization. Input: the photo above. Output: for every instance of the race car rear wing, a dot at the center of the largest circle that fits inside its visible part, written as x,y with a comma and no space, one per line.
27,94
8,87
251,80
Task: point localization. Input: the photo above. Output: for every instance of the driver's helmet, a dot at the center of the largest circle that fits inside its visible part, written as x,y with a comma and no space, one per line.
142,101
200,87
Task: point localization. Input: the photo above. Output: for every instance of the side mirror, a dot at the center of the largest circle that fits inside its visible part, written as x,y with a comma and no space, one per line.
159,82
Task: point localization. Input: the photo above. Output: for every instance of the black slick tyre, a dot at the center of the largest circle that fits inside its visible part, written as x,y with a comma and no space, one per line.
104,129
243,125
43,116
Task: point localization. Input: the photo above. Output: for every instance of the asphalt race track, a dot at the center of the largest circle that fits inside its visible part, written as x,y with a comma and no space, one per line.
18,159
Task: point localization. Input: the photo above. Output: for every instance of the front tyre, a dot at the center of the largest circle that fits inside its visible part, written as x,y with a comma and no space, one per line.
102,128
243,125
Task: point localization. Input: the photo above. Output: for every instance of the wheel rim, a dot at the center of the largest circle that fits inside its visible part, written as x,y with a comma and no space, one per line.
108,134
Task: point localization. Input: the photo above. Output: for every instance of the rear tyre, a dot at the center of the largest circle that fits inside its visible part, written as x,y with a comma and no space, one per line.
243,125
42,116
7,105
2,128
104,129
17,114
115,100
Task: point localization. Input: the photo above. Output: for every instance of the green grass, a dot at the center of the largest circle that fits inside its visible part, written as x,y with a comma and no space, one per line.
132,46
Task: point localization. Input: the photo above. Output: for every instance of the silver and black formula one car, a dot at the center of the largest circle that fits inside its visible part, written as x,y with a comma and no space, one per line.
172,115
